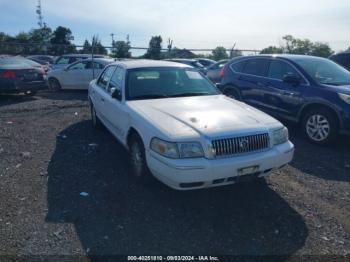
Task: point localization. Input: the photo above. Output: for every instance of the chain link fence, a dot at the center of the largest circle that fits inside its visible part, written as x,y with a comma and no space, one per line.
26,49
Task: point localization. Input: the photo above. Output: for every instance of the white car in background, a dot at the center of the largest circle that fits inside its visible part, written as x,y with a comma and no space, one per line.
77,75
180,128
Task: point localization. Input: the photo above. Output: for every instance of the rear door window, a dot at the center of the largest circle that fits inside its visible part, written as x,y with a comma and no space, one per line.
257,67
105,77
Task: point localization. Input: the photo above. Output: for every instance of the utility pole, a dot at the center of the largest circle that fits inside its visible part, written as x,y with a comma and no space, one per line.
40,15
170,45
232,50
112,35
128,39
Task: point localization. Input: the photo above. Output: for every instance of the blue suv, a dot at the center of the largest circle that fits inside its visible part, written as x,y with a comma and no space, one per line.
312,91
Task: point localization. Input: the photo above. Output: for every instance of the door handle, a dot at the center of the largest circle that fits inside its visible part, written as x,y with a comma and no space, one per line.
289,93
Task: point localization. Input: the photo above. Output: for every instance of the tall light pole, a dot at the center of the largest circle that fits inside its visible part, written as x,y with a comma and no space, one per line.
40,15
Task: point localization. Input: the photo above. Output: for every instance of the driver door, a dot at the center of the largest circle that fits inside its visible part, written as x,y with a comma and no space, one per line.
280,97
115,109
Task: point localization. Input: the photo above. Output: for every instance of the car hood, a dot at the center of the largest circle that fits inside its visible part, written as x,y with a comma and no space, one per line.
205,115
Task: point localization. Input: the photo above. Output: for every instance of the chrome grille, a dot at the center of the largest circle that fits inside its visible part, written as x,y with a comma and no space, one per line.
240,145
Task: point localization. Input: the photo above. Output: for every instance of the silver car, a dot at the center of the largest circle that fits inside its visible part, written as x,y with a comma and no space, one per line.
65,60
77,75
213,72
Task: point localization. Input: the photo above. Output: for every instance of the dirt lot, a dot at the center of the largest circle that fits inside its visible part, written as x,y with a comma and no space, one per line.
50,154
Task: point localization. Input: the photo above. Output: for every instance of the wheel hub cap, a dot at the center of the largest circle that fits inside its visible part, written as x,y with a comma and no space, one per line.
318,127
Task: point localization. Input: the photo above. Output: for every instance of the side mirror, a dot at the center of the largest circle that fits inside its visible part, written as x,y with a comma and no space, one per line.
116,94
292,79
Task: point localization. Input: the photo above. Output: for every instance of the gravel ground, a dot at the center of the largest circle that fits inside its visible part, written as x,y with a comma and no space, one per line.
50,156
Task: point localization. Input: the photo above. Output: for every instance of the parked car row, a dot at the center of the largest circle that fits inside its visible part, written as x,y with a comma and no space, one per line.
190,133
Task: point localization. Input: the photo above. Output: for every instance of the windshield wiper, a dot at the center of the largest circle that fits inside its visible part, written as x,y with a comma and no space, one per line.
152,96
191,94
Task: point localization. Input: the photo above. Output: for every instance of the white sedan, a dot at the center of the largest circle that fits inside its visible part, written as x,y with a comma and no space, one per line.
179,128
77,75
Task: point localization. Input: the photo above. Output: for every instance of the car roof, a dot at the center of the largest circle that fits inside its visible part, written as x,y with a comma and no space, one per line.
144,63
182,59
80,55
97,59
285,56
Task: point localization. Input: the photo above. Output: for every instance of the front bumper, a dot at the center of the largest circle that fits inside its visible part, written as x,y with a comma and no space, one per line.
186,174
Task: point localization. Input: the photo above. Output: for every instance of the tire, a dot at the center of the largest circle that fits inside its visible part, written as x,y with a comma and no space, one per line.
138,162
96,122
320,126
232,92
54,85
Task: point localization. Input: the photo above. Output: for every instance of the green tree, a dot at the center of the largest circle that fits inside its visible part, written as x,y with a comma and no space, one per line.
272,50
6,44
155,48
86,47
61,41
321,49
121,49
23,47
179,53
39,40
98,47
219,53
305,47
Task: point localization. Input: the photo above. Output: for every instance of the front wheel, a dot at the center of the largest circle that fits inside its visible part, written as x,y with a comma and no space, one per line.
54,84
320,126
138,159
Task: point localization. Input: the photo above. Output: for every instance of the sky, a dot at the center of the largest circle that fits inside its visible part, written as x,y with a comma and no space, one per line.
250,24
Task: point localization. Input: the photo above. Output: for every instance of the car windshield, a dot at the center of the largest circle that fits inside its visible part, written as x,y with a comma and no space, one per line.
325,71
153,83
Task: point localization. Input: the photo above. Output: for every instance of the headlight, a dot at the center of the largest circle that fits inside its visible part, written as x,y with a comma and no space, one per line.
177,150
345,98
191,150
280,136
164,148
